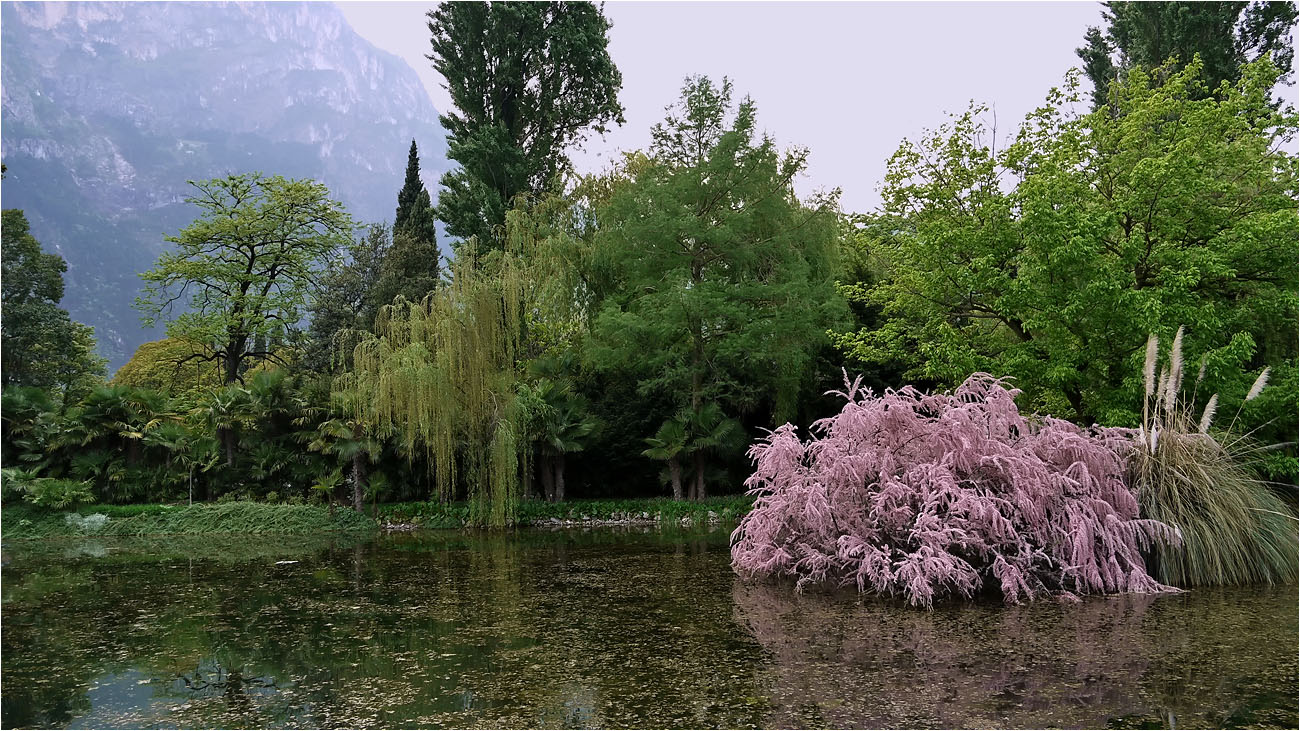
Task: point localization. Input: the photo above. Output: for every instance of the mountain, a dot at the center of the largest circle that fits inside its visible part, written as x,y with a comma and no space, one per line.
110,108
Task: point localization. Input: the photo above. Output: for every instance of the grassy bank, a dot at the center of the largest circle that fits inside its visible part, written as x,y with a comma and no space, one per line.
536,512
23,522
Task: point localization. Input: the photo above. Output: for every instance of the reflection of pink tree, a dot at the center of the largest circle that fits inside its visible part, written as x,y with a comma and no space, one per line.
848,663
926,495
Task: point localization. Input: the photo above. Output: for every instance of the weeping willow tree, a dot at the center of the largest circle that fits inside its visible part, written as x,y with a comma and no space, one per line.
444,374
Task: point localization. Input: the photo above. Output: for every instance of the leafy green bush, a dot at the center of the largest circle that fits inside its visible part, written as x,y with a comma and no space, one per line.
45,492
49,492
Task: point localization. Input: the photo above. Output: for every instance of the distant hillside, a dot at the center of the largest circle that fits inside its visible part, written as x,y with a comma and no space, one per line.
109,108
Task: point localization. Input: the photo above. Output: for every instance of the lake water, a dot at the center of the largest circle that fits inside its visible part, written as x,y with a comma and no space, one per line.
606,628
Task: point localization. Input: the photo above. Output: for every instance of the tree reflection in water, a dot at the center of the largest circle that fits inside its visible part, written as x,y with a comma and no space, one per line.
1210,658
595,629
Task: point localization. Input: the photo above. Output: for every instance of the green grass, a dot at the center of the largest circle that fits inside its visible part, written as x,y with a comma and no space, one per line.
26,522
22,522
665,510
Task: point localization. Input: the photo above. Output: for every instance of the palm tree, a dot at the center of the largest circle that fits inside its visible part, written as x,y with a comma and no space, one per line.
709,431
195,451
27,414
667,444
349,439
562,426
226,410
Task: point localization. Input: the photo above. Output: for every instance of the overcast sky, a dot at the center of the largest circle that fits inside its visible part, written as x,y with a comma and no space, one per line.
847,80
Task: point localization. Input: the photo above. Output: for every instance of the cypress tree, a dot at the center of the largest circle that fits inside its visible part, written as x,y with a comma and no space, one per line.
528,81
408,197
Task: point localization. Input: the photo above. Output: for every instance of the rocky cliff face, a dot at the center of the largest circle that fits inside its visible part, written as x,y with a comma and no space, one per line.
110,108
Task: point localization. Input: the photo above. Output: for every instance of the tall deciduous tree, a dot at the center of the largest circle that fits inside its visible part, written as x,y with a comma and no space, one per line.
527,81
1226,35
42,346
246,266
1180,209
718,279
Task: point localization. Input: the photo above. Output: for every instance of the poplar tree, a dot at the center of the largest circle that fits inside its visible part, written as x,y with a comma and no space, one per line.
1226,36
527,80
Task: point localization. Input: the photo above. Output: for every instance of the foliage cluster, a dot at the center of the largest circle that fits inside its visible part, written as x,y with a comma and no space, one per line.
1051,258
1225,35
923,496
40,345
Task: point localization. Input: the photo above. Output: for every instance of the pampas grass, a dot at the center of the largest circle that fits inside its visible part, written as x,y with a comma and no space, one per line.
1235,530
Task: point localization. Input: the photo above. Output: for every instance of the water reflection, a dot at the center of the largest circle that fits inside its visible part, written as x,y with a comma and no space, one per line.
577,629
1203,659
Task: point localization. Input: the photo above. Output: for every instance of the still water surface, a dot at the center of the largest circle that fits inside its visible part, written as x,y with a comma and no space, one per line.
607,628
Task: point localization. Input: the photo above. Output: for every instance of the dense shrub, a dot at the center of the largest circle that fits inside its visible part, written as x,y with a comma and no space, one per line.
923,496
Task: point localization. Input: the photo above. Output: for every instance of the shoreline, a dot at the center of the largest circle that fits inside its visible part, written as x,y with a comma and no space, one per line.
25,523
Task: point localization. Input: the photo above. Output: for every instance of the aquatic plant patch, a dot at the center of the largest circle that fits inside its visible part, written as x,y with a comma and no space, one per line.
924,496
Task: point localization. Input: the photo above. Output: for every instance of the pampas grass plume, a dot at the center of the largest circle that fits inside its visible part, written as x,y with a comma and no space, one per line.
1208,415
1149,368
1176,365
1260,383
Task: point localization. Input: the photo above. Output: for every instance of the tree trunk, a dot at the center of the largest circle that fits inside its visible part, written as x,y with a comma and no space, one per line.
559,478
675,471
548,479
526,471
358,480
228,441
699,477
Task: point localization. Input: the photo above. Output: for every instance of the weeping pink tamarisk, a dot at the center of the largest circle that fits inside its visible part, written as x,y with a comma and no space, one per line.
926,495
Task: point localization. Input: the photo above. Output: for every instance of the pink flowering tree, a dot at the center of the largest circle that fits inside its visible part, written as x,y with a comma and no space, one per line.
923,496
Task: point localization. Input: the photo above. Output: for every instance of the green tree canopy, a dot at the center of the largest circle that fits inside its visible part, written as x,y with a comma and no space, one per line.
716,281
42,346
527,81
170,366
1051,259
246,266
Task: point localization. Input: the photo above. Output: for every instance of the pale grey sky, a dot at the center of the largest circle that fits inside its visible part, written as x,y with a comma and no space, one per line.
847,80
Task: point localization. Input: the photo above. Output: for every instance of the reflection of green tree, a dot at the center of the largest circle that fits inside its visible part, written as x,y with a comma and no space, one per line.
573,629
554,629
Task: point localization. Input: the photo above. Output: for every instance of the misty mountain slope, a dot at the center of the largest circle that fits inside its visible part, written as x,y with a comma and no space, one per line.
109,108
